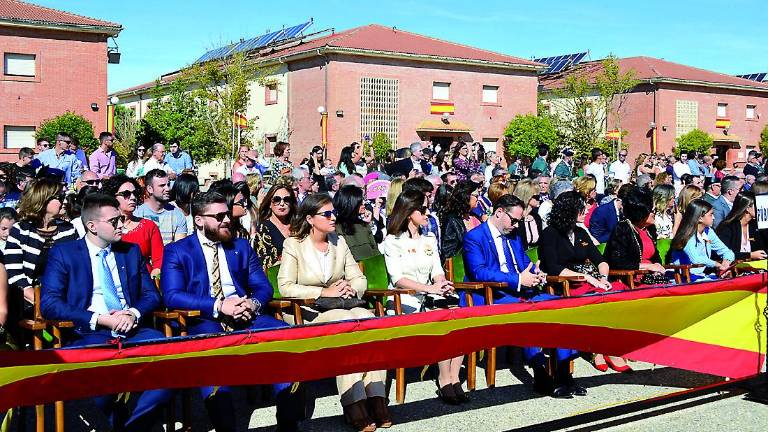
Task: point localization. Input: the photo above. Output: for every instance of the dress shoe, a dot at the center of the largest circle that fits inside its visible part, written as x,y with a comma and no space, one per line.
542,382
446,393
624,368
578,390
562,392
460,394
600,362
357,416
379,411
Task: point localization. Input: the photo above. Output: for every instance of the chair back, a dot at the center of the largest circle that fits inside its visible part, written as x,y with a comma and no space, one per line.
601,247
663,245
272,277
455,268
533,254
375,270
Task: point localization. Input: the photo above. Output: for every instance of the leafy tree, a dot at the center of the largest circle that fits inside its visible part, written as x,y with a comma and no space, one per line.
764,140
695,140
126,132
525,133
77,126
381,145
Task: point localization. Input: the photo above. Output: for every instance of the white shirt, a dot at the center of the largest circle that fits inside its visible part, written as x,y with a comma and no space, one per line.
227,285
598,171
153,163
244,170
620,170
498,238
98,305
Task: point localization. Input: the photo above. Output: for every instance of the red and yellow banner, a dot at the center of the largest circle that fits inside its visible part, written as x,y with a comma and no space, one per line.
712,327
441,108
240,120
613,134
723,123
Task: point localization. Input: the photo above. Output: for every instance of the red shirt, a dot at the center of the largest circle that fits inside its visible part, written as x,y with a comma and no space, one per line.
147,235
648,248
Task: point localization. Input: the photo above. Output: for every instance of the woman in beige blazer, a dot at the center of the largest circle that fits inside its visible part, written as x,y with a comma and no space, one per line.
318,263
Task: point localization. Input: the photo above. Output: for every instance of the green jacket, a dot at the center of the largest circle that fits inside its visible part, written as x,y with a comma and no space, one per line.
563,170
540,164
361,243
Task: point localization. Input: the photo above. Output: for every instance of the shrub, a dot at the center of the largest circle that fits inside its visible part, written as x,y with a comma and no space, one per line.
525,133
695,140
77,126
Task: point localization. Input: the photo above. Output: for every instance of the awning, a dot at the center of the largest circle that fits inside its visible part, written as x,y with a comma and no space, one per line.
438,125
732,141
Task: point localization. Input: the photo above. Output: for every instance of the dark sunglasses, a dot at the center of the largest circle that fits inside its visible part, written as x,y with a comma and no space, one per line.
328,213
127,194
141,149
278,199
218,216
66,141
422,209
514,220
242,203
92,182
114,221
61,197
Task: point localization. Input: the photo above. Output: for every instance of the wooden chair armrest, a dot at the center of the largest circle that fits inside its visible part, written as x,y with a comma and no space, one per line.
387,292
626,272
167,315
560,279
60,324
496,285
682,266
187,313
468,285
299,301
278,304
33,325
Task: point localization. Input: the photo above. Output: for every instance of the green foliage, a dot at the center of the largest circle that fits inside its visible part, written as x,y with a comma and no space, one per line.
77,126
525,133
381,145
764,140
175,115
695,140
126,131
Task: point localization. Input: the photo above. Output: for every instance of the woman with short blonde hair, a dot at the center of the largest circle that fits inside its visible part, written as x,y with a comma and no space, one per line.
687,195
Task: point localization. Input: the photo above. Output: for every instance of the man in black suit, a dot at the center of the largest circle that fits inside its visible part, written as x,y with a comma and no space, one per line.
413,163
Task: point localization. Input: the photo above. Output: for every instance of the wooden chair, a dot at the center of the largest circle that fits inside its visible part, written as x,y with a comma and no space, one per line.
37,326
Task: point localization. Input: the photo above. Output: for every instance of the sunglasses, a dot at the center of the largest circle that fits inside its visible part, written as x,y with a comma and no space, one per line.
514,220
127,194
328,213
92,182
115,220
66,141
45,145
61,197
242,203
141,149
218,216
422,209
278,199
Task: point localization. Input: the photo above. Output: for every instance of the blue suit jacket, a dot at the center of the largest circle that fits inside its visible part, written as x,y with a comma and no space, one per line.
67,283
720,209
481,260
185,283
603,221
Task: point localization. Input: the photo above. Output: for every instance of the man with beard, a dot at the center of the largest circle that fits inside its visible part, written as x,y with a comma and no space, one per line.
220,276
101,284
157,207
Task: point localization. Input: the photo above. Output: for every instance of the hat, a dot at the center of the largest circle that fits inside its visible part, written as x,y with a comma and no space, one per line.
567,152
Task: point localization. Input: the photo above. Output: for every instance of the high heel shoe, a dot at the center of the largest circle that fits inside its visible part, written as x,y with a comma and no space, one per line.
602,365
357,416
621,369
377,408
460,394
447,394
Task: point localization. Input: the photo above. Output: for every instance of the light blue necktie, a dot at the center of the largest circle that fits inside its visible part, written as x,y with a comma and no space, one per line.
108,288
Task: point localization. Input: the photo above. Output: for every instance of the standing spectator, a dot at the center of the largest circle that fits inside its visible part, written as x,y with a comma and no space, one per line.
74,148
620,169
679,169
540,163
135,166
26,155
158,209
346,166
251,165
491,163
275,214
754,166
564,169
693,163
731,186
464,167
719,172
315,166
256,187
358,158
38,229
303,183
157,161
543,181
41,145
60,159
102,160
597,169
706,168
178,160
413,163
281,164
140,231
241,158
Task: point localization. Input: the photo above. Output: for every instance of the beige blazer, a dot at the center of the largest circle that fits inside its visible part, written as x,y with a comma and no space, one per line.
300,274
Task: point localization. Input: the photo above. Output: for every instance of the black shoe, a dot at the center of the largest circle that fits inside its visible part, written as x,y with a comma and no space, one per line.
287,426
562,393
542,382
460,394
578,390
446,393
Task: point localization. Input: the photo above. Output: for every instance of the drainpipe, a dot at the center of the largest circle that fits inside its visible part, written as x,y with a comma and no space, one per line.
655,133
325,98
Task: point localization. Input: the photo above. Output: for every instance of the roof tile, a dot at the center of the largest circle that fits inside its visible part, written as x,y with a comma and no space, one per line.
20,11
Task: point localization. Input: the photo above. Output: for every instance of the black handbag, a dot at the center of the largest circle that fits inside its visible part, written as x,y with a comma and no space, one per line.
324,304
654,278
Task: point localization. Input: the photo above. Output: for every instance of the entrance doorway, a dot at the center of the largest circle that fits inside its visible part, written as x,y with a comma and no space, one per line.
443,141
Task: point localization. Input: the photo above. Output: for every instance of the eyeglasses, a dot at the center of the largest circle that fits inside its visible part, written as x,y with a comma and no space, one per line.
141,150
242,203
622,155
512,219
127,194
114,221
218,216
59,197
328,213
45,145
278,199
423,209
66,141
92,182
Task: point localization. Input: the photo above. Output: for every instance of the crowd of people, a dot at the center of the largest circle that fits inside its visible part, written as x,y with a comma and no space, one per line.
93,237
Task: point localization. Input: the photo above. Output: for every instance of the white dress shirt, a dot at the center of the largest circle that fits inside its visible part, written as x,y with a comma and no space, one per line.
597,170
98,305
620,170
227,285
498,238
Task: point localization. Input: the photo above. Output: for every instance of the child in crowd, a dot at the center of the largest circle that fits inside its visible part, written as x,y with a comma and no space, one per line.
7,219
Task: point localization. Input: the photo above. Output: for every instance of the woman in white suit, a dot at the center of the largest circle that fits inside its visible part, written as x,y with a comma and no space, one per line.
318,263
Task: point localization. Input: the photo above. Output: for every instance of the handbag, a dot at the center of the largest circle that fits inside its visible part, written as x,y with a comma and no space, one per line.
587,268
324,304
654,278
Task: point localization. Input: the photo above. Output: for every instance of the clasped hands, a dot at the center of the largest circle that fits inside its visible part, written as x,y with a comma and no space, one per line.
341,288
441,288
531,277
119,321
239,308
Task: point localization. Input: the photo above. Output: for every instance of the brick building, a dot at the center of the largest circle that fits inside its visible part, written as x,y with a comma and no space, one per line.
379,79
673,99
53,62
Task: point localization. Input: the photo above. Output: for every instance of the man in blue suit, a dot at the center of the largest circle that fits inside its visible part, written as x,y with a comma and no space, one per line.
729,188
102,285
493,252
220,276
604,220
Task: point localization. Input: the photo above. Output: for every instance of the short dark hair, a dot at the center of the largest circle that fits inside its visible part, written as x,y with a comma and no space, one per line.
104,135
506,201
596,153
93,202
203,200
420,184
152,174
26,151
280,147
63,135
8,213
637,204
39,140
543,150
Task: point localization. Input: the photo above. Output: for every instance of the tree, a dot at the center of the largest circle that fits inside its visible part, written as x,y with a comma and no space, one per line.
525,133
77,126
764,140
381,145
126,131
695,140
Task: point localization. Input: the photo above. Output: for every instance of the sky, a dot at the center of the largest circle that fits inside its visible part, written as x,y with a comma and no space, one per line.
162,36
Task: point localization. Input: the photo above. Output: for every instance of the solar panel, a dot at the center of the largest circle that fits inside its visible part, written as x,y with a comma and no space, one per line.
559,63
255,43
759,77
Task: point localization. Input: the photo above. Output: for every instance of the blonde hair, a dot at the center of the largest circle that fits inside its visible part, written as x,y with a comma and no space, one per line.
35,199
661,178
584,185
526,189
395,188
496,190
688,194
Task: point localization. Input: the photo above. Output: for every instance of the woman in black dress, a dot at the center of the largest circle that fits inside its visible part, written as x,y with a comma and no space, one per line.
275,214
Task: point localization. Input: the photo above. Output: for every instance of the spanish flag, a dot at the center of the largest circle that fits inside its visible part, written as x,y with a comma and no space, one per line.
723,123
240,120
441,108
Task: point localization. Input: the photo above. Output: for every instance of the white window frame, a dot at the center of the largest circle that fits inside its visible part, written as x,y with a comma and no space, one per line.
18,64
751,112
441,90
12,135
722,110
490,94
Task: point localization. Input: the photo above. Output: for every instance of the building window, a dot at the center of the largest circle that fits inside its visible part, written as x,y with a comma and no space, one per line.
270,94
686,117
490,94
379,108
441,91
722,110
489,144
19,64
751,112
19,136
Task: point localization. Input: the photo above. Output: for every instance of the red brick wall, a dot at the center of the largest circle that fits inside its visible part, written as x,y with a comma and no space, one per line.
71,75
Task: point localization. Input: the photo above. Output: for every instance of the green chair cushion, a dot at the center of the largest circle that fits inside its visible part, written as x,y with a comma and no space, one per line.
272,277
458,267
376,272
663,245
533,254
601,247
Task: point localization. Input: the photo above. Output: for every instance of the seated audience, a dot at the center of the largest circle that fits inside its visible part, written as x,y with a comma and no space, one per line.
183,191
157,207
457,218
530,225
275,214
687,194
632,244
739,232
696,241
664,207
607,215
8,217
350,207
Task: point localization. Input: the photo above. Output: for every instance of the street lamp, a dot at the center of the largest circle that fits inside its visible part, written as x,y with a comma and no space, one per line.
323,128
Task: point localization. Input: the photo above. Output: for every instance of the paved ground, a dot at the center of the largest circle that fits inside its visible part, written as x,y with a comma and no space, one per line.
512,406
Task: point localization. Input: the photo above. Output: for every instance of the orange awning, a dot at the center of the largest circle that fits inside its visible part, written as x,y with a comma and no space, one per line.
438,125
